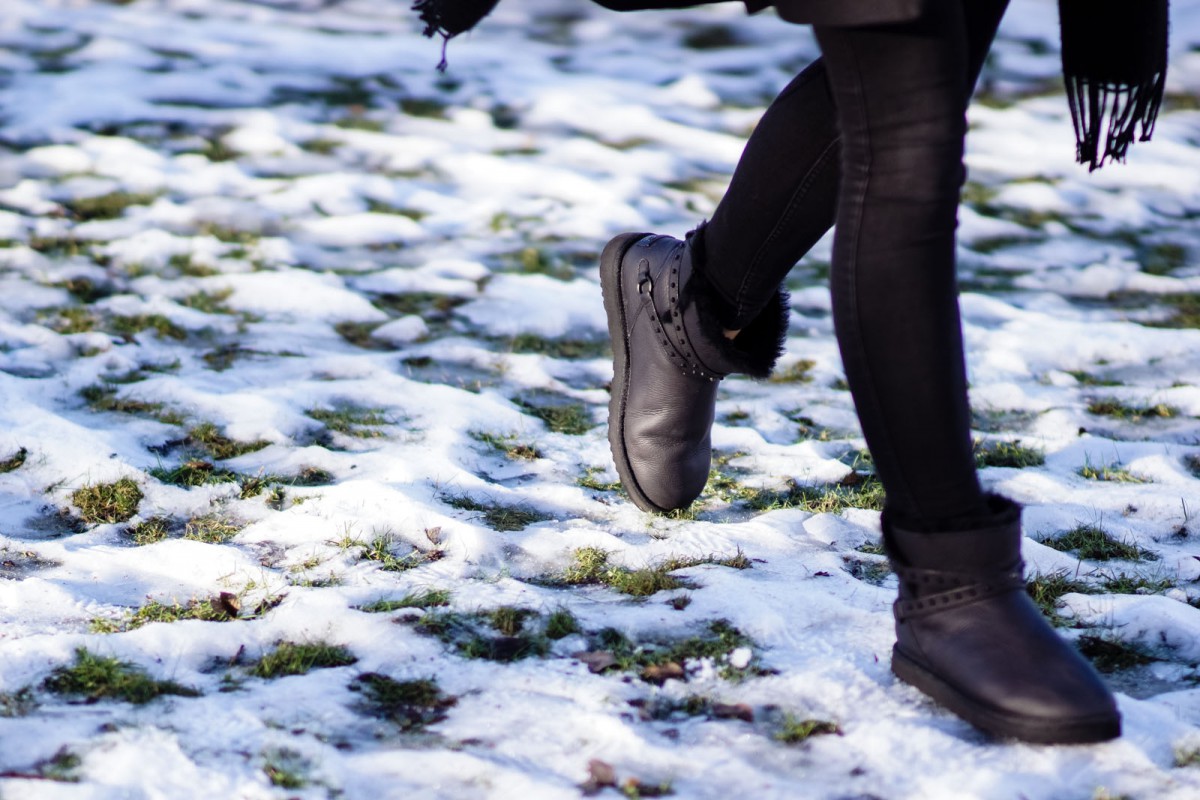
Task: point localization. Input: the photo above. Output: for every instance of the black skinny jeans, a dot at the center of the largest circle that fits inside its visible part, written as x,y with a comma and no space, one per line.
872,135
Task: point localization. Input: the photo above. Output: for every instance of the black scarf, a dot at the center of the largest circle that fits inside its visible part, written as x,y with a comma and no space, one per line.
1114,57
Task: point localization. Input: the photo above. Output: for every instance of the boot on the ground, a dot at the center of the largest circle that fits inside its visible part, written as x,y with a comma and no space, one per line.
669,355
969,636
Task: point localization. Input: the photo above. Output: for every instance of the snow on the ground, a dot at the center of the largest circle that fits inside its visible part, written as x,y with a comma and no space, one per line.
334,316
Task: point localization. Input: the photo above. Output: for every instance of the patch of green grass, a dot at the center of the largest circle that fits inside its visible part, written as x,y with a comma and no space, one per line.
15,461
1117,409
321,146
868,570
105,206
380,207
809,430
360,422
104,398
227,234
56,246
17,704
107,502
217,609
63,767
1008,454
1187,757
188,266
1109,472
130,325
1185,311
862,492
421,304
429,598
873,548
1109,654
723,482
1192,462
209,438
508,445
359,123
591,567
657,661
735,417
149,531
208,302
589,480
1089,379
635,789
94,677
797,730
69,319
1126,583
194,472
498,516
559,348
1162,258
540,261
379,549
995,420
311,476
509,620
253,485
411,704
298,658
799,372
359,334
561,623
216,150
1093,543
474,636
210,528
286,768
569,418
1046,589
143,371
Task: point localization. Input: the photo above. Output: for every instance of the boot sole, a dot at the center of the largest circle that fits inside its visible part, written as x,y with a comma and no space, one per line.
1081,730
618,332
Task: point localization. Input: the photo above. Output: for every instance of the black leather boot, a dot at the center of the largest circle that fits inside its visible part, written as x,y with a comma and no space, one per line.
969,636
669,355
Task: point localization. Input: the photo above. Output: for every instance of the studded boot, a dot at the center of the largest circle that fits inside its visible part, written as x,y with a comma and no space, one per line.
970,637
669,356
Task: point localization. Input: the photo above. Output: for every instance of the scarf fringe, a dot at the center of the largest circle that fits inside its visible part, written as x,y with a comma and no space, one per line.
431,14
1116,111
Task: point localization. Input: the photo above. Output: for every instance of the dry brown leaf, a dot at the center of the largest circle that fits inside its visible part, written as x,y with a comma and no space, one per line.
660,673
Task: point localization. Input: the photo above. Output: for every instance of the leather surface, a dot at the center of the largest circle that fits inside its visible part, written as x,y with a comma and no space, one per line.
999,653
668,413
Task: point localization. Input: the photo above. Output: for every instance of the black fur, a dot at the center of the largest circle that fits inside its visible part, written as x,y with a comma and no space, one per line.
760,343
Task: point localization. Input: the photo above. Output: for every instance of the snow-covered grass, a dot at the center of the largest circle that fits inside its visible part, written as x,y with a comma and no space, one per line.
304,484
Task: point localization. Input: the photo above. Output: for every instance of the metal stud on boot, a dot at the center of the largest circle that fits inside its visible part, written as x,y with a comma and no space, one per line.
969,636
669,355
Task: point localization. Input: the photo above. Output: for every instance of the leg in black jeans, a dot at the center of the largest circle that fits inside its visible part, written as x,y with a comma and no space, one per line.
897,95
967,633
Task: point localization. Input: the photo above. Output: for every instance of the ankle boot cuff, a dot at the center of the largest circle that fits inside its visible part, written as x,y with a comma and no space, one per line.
759,344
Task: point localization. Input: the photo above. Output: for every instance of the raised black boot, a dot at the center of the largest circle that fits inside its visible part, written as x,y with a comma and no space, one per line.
669,355
969,636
